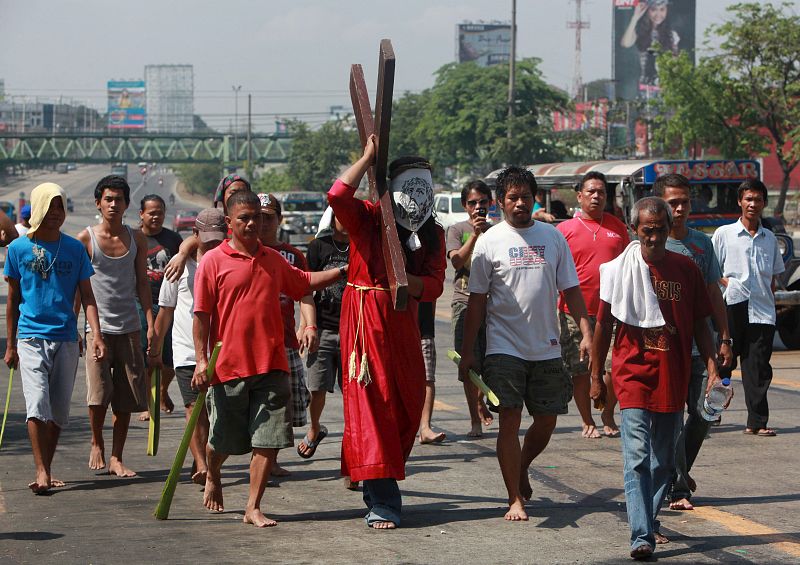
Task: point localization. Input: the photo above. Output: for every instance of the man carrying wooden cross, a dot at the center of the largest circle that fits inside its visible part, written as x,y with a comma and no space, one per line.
384,373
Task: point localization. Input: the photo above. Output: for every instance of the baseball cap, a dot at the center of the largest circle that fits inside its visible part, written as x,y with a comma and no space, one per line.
25,212
210,224
269,204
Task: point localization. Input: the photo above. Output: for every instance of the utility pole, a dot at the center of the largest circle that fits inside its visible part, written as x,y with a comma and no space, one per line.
236,90
578,24
249,171
511,74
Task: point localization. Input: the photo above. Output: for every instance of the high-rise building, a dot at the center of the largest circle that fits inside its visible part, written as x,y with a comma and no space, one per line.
170,98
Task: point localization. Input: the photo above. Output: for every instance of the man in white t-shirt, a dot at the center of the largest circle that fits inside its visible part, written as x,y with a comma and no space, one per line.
176,300
518,269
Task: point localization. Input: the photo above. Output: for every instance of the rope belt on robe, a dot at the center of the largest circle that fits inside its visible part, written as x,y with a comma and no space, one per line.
364,377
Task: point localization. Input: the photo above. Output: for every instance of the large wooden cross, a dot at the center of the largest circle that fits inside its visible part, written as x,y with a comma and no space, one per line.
379,125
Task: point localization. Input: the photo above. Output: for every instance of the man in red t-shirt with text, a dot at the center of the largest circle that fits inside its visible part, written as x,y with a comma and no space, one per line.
660,302
594,237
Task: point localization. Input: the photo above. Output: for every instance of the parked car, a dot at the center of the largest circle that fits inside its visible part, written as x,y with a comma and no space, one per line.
70,205
62,168
448,208
184,220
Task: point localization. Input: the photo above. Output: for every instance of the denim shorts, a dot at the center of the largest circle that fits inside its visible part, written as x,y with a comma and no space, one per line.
544,387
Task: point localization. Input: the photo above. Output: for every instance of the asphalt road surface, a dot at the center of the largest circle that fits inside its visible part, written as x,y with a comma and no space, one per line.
454,499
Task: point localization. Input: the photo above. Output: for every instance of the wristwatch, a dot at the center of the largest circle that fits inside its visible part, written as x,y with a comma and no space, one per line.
727,341
343,272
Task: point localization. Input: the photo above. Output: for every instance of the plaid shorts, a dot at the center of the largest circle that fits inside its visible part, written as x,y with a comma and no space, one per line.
429,357
301,398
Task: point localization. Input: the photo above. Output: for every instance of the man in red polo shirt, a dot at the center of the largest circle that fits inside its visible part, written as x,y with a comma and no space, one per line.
594,237
237,301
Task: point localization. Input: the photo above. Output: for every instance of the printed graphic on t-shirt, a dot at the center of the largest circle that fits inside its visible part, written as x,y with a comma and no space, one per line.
291,258
667,290
334,292
60,268
157,259
527,256
657,338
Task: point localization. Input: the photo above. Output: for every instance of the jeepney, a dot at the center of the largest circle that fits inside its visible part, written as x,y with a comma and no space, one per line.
714,203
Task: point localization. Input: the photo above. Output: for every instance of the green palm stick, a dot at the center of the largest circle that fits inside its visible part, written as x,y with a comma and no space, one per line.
8,400
154,404
476,380
162,510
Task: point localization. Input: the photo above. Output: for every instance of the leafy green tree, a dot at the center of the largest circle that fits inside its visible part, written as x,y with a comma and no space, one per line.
406,116
745,97
461,122
274,179
200,178
317,155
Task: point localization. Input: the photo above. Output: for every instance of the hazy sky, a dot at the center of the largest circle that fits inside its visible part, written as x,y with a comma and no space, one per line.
293,56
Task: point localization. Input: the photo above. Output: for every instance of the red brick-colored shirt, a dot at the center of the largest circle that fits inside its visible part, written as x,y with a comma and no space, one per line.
242,295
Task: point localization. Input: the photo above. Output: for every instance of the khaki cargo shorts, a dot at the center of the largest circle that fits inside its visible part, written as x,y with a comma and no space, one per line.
571,337
119,378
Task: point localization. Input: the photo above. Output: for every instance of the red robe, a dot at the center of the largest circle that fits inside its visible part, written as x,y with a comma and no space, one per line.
381,419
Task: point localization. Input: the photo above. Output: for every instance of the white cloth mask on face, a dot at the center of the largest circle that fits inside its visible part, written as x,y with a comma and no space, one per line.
412,194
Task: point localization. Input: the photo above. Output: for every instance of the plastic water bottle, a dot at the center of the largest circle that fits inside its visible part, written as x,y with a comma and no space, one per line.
716,399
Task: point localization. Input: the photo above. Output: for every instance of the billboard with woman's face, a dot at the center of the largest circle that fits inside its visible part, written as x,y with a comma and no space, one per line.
643,29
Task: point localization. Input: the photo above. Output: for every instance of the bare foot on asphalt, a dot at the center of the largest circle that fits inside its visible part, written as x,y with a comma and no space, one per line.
115,467
144,417
167,406
486,416
610,431
258,519
516,512
199,477
429,436
42,484
476,431
590,432
383,525
97,458
212,496
57,483
661,538
682,504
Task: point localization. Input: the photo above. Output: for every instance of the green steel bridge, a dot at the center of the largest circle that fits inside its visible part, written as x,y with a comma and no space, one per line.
33,149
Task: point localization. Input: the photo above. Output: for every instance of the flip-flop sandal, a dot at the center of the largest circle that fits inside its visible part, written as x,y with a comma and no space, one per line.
766,432
312,445
749,432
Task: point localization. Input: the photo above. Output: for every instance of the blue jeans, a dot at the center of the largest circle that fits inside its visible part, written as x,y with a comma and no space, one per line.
693,433
648,453
382,497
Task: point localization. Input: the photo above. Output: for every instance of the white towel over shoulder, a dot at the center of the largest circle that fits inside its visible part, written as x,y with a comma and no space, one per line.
625,284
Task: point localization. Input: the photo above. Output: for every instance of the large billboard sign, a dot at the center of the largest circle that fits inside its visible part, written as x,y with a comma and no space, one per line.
126,104
642,29
486,44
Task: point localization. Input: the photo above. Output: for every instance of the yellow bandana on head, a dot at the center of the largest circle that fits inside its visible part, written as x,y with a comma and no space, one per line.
41,196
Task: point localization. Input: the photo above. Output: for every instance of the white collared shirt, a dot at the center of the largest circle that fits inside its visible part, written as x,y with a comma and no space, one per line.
752,261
